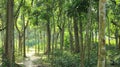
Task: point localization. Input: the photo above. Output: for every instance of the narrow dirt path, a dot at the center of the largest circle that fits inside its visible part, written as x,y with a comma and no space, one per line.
28,62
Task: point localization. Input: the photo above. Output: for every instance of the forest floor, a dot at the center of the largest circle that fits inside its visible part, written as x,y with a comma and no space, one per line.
33,60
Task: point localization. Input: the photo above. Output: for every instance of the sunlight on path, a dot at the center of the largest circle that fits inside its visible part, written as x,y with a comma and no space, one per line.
28,62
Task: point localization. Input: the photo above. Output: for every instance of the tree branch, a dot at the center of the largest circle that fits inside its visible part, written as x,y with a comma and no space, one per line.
17,27
26,24
17,14
18,8
59,27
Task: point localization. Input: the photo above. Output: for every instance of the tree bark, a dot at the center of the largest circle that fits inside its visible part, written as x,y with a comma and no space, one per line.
39,42
71,36
48,38
20,43
24,47
9,59
81,45
108,31
77,47
101,43
61,38
88,33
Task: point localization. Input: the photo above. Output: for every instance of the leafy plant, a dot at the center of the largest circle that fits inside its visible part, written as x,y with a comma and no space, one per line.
66,59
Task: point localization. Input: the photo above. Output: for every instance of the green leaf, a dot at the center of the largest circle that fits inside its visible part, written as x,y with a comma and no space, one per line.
117,2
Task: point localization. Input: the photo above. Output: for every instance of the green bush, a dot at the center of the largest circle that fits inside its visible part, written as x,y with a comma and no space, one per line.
66,59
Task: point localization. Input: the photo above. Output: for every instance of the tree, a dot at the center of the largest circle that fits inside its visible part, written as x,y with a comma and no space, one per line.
101,45
70,35
88,31
9,41
23,6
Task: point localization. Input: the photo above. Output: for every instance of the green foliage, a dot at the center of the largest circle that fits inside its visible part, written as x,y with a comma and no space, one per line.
78,7
66,59
66,41
113,54
91,62
67,44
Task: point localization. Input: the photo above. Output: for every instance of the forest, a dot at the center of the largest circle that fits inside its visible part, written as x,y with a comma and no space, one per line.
59,33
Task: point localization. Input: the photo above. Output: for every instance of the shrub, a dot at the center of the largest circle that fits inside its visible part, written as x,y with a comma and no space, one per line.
66,59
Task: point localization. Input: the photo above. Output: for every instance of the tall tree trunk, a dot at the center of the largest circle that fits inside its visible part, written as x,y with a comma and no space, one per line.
101,43
20,43
77,47
61,37
97,24
56,40
81,45
48,38
35,33
54,25
108,31
53,36
39,41
24,47
88,32
44,39
27,35
71,36
9,59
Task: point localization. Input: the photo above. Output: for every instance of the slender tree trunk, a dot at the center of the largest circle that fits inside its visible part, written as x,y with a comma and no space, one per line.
53,42
97,24
54,25
27,35
20,43
61,40
71,36
101,44
81,45
24,47
48,38
39,42
108,32
88,32
35,33
62,31
44,38
56,40
77,47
